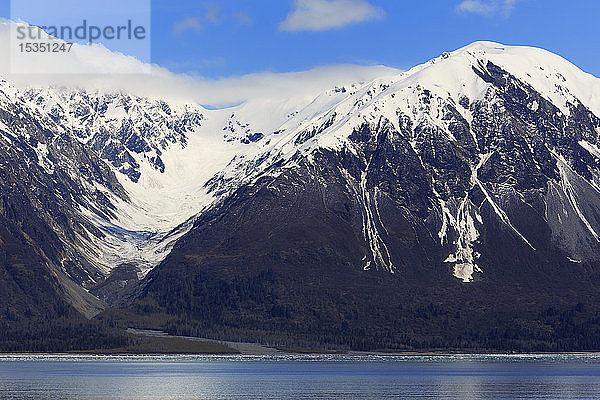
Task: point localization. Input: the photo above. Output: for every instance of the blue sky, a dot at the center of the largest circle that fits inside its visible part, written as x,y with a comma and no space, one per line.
235,37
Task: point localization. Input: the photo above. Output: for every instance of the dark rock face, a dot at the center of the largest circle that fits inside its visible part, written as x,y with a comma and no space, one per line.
42,185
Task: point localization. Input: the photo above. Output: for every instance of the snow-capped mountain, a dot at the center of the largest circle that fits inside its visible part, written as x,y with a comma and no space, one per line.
483,160
453,205
486,127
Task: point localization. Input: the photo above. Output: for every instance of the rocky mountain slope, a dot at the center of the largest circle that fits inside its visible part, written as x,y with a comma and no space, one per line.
379,202
400,212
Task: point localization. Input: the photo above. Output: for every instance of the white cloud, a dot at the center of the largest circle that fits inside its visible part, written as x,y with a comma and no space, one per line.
97,68
487,7
321,15
476,6
190,23
242,18
212,13
280,86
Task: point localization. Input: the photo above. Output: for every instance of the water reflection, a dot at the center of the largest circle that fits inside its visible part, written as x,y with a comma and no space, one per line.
302,377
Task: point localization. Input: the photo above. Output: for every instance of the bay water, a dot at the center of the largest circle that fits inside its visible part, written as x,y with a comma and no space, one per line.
65,377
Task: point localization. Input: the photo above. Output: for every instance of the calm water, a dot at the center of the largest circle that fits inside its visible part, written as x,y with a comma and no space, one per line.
301,377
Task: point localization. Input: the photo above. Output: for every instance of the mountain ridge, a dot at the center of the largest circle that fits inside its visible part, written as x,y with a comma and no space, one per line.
477,168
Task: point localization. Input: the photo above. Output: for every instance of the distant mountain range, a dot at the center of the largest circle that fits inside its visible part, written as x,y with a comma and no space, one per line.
454,206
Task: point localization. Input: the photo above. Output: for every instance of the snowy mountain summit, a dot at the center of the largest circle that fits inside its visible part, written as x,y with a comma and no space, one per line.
481,162
484,145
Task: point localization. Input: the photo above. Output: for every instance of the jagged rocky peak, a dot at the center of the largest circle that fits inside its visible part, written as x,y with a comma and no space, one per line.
123,129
